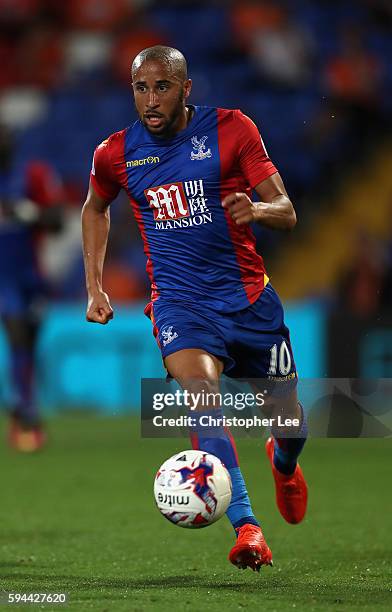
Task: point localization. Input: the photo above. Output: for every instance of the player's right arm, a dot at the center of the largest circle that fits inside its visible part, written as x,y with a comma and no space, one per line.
95,231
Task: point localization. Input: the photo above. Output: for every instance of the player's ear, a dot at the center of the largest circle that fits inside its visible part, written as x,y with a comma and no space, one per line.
187,88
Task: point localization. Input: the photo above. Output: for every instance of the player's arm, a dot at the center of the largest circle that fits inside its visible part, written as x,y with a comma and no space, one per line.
95,232
275,210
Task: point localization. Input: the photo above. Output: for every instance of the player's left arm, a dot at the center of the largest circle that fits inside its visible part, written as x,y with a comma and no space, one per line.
275,210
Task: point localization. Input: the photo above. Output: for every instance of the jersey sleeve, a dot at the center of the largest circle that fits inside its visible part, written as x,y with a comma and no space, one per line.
254,161
101,175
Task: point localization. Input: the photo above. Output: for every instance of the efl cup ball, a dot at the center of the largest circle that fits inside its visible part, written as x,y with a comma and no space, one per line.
192,489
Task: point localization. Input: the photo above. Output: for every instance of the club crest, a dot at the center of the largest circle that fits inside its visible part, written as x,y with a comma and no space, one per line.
168,335
200,152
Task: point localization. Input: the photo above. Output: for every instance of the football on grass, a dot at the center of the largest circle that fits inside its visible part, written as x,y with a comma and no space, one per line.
192,489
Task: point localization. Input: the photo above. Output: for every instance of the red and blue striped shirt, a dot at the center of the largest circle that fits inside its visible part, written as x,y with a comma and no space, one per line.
194,249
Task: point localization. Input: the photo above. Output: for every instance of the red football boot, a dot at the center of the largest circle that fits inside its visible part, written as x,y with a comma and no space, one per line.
291,489
26,439
251,549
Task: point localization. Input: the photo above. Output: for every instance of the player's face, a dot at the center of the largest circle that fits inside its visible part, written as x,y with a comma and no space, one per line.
160,98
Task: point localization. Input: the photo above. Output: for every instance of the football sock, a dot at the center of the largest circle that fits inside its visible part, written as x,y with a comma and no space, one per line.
287,450
240,511
22,369
218,441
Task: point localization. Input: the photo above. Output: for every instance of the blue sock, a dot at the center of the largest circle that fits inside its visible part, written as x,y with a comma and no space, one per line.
240,511
219,442
287,450
22,363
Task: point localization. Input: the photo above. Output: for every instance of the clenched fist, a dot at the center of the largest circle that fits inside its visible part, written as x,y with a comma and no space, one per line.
241,208
99,309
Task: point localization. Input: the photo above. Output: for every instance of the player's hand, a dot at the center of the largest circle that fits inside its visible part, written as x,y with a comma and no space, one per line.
241,208
99,309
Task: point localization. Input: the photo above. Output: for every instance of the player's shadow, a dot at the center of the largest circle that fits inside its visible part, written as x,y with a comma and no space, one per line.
10,564
185,581
67,582
86,588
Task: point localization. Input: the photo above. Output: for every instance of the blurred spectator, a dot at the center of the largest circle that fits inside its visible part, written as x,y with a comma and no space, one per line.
43,185
97,14
282,52
29,206
360,286
129,42
8,63
380,13
353,78
39,58
18,11
86,53
354,84
121,282
250,17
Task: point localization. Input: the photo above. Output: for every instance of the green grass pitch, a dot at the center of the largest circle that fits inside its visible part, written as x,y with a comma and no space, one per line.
80,518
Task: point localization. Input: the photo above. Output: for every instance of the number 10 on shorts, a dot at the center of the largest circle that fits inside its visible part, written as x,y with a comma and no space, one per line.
281,358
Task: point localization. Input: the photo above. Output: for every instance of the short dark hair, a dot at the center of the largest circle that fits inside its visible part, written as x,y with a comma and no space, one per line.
168,55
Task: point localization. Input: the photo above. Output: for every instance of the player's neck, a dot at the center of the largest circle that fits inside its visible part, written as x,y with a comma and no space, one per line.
190,111
184,120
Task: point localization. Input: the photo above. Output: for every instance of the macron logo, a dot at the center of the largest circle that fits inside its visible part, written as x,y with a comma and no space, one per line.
143,162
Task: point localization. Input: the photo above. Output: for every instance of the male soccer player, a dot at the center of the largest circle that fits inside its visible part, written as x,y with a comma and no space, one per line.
29,207
188,172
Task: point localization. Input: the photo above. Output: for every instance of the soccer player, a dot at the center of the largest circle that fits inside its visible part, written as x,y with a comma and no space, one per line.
189,172
29,206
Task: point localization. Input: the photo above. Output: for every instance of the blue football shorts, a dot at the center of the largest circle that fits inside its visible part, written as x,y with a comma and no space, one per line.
20,297
251,343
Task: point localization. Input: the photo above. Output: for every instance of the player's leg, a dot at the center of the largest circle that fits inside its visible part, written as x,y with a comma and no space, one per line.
283,448
198,371
21,362
25,433
286,443
264,352
289,442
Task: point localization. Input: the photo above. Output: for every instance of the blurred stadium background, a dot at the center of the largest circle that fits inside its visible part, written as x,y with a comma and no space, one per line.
315,77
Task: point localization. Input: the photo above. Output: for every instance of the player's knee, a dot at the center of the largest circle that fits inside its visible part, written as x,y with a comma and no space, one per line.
203,390
198,373
202,384
195,367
